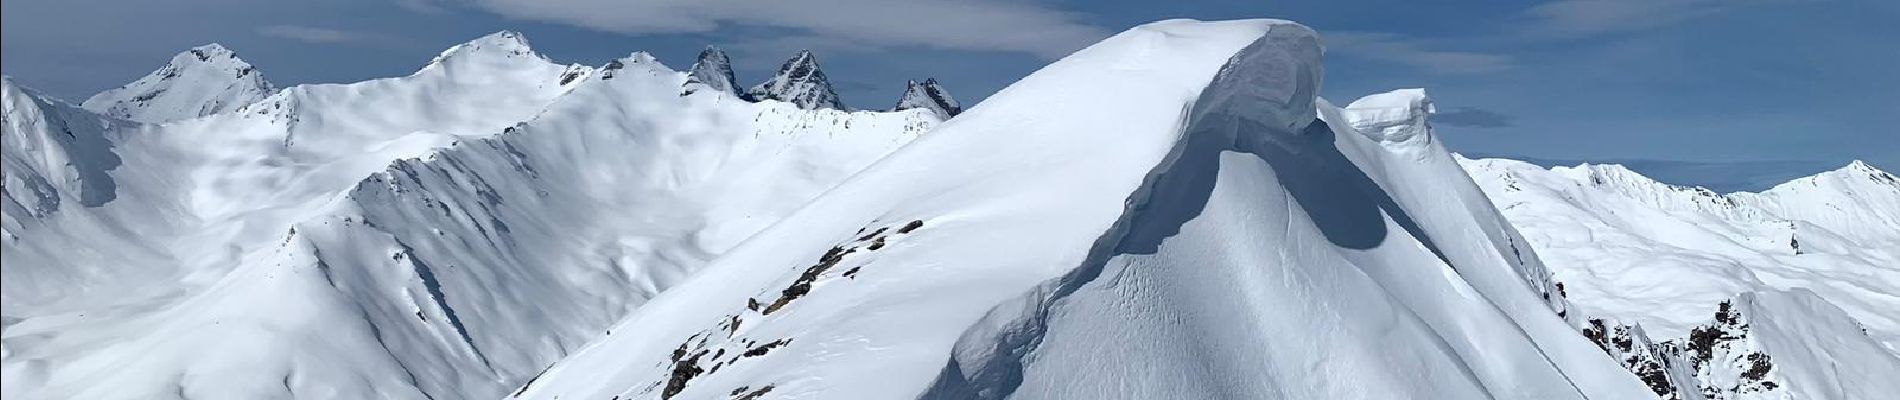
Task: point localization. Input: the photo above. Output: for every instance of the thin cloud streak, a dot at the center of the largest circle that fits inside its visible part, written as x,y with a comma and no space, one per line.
1397,49
984,25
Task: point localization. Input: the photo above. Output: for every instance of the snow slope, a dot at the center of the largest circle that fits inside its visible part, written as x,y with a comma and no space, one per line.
408,237
1206,250
205,80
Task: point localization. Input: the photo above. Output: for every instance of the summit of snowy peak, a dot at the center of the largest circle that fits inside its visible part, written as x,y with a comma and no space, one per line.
714,70
498,45
928,95
1391,116
204,80
645,61
800,82
1856,170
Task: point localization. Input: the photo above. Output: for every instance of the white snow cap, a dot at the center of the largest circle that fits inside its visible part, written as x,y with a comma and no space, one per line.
800,82
502,44
205,80
928,95
1395,116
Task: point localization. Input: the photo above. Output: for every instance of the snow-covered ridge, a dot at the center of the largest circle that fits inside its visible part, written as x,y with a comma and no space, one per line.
373,233
1172,212
1653,258
1173,262
204,80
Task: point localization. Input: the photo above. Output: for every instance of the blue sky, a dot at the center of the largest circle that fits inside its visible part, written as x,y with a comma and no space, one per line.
1735,81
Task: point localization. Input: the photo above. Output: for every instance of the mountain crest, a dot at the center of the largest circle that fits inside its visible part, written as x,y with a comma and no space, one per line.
800,82
714,70
502,44
930,96
204,80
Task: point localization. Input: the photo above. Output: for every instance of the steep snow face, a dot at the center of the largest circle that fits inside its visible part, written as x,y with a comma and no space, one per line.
249,257
1652,259
205,80
55,154
1818,352
714,70
801,83
928,95
1153,267
1768,344
59,164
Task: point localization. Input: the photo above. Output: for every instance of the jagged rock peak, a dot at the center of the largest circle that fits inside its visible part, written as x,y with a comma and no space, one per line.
714,70
928,95
801,83
204,80
508,44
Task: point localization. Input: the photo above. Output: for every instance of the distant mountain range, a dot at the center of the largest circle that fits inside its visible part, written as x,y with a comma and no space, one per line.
1170,213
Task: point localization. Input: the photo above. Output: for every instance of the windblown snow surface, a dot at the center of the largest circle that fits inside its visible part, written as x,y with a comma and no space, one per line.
1170,213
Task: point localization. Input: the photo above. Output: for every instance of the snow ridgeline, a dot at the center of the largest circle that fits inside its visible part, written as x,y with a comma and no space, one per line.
1209,250
245,255
1645,265
1236,237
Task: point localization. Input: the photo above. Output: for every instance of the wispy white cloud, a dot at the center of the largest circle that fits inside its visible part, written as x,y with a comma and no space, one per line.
992,25
1583,18
1418,53
312,34
1473,117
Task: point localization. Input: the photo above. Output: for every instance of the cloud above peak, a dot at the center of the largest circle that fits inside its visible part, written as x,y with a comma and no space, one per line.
311,34
983,25
1580,18
1418,53
1473,117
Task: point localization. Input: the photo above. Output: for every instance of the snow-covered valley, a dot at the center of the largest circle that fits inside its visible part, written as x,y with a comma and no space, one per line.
1170,213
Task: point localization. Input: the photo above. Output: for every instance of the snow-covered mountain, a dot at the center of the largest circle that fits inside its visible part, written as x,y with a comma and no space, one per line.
800,82
928,95
1804,275
1225,244
441,235
1170,213
205,80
